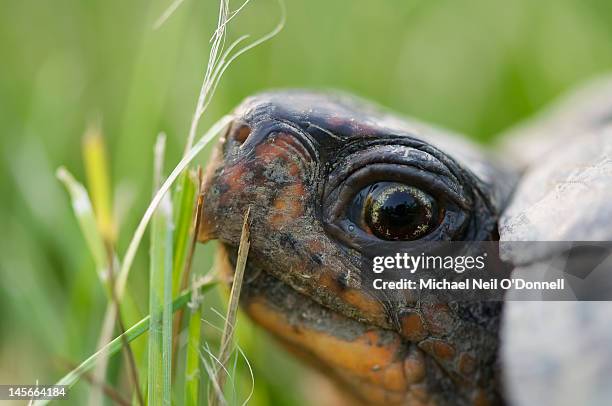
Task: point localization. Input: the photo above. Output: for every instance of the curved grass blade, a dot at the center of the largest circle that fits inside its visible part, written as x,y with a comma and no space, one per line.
139,233
83,210
201,285
230,321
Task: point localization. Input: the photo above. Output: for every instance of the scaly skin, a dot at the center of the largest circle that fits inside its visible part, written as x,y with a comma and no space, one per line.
296,158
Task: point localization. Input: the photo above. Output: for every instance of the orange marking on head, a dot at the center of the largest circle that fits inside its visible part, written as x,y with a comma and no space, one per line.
288,205
234,177
443,350
283,148
328,281
412,326
394,378
368,306
439,349
367,359
266,152
362,356
438,318
467,364
293,169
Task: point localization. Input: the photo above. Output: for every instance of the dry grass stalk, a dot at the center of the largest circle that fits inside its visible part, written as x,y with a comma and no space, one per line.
230,321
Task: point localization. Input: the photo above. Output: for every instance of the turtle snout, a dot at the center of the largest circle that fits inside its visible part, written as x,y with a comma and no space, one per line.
264,167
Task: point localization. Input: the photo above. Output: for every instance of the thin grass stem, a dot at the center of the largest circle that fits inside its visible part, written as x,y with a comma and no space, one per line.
232,310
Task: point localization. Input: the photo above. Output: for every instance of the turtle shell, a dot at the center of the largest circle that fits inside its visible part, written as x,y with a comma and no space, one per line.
559,353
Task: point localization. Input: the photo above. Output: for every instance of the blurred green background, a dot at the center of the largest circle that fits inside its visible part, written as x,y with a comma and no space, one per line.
476,66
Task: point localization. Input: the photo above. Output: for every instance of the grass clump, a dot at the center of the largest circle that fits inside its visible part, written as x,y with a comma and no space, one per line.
174,213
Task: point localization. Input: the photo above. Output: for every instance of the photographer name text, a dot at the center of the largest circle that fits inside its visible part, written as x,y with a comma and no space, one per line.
468,284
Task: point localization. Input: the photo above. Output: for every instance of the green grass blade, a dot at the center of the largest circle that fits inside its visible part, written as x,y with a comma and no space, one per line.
192,363
83,210
201,285
188,219
98,180
160,295
183,202
167,317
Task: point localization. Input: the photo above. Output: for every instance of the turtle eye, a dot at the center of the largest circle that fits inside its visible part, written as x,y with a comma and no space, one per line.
394,211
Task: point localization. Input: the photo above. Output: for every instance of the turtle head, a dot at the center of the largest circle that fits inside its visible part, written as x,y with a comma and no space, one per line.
332,182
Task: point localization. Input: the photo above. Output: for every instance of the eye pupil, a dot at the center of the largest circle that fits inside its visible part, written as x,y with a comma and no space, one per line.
395,211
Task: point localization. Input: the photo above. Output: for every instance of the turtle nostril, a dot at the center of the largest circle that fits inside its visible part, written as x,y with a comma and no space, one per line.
242,133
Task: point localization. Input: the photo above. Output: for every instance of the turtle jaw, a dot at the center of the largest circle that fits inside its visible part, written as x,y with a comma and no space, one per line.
370,365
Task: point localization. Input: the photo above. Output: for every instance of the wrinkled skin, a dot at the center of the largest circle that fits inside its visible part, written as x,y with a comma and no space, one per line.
297,159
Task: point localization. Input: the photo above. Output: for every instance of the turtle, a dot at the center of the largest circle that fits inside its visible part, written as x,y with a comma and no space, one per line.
332,180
